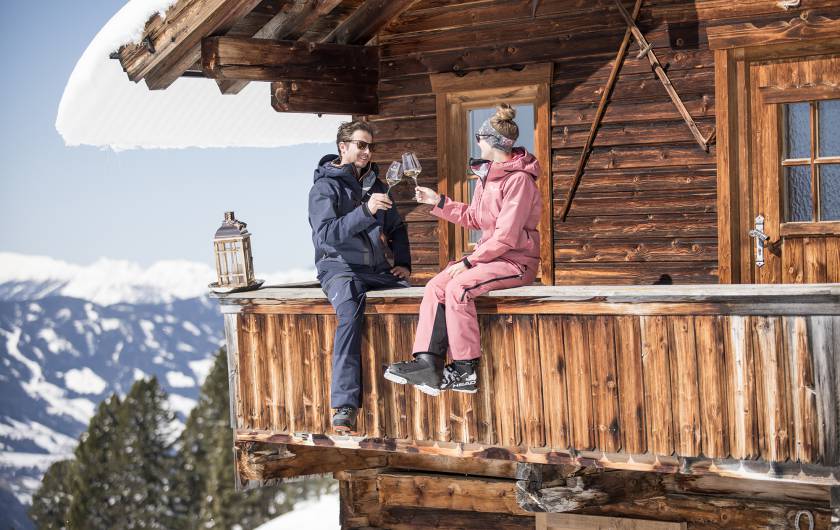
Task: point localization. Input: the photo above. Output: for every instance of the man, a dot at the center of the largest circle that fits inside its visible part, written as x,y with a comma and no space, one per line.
353,225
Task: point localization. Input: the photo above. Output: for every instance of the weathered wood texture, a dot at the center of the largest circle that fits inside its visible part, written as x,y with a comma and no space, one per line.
387,498
669,383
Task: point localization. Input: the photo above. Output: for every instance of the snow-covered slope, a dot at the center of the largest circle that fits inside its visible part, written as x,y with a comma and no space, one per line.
71,335
108,281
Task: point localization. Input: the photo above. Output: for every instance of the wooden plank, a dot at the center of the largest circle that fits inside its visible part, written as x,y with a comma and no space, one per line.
832,259
485,398
728,204
773,389
684,385
573,521
293,364
262,366
579,377
814,253
394,396
636,156
630,384
448,492
712,395
645,250
626,112
373,407
274,389
365,22
553,369
248,390
306,347
824,332
327,325
784,30
741,386
529,390
232,345
324,97
657,377
506,405
409,518
793,261
602,358
805,439
251,59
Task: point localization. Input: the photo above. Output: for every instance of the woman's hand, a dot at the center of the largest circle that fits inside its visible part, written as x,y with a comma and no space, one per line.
456,268
426,195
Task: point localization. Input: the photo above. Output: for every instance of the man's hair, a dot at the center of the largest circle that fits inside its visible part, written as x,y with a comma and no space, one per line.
346,130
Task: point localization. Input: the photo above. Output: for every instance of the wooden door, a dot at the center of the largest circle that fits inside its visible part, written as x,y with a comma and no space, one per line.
794,170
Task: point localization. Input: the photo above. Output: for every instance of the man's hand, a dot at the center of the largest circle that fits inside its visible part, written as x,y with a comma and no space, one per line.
456,268
401,272
426,195
379,201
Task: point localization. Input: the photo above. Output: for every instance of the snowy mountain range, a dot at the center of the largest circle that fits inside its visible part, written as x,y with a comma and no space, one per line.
72,335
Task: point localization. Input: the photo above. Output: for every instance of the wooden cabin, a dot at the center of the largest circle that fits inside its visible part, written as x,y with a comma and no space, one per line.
692,144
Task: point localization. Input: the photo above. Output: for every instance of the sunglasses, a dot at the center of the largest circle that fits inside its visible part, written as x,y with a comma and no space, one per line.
362,145
478,137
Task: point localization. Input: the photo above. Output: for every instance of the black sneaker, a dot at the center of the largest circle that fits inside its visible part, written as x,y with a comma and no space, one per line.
424,372
461,376
344,420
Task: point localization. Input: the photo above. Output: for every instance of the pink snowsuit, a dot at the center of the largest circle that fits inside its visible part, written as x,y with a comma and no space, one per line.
506,207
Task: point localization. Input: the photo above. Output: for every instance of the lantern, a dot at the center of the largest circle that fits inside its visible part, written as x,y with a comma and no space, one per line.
234,262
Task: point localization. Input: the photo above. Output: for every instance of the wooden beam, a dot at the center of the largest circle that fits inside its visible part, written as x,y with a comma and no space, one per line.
241,58
322,97
172,44
803,26
599,114
288,24
567,521
271,462
361,26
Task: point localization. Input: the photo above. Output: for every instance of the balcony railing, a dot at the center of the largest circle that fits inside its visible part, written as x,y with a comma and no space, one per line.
725,379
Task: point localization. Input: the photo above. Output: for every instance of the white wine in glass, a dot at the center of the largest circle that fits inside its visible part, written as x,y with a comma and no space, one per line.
394,175
411,166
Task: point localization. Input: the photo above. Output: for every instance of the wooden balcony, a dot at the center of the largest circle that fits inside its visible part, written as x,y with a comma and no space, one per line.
733,380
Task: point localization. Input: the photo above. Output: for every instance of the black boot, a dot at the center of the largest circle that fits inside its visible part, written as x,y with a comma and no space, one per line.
425,372
461,376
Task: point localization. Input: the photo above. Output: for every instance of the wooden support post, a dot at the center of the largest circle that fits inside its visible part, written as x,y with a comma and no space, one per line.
646,49
599,114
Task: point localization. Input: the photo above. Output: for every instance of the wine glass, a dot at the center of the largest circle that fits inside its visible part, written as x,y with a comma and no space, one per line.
394,175
411,166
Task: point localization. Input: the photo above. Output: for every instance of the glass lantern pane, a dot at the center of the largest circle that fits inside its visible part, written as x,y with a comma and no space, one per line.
799,199
798,130
829,121
830,192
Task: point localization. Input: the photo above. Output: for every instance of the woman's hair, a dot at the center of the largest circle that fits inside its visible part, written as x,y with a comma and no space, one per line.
503,122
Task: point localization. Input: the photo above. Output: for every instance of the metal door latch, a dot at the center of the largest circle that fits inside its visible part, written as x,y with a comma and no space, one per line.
761,240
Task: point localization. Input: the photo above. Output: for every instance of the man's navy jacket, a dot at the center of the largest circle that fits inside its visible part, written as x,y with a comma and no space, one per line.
345,234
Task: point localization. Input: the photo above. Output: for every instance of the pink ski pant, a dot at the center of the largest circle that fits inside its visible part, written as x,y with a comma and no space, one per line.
458,296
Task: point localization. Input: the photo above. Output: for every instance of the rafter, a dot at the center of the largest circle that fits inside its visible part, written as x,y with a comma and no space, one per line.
367,20
288,24
172,44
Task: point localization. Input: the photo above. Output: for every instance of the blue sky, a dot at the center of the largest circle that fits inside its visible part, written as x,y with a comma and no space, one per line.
82,203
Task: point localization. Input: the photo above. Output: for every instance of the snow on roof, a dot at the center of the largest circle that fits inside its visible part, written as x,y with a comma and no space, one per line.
314,514
101,107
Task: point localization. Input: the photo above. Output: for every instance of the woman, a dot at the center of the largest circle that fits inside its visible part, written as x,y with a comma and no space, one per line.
506,207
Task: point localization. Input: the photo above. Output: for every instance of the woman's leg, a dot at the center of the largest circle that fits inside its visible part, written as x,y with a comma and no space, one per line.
461,291
431,333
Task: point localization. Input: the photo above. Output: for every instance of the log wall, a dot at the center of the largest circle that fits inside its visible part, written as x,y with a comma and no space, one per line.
647,202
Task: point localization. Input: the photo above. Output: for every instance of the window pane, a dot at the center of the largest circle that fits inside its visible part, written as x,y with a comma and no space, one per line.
829,119
830,192
799,200
797,130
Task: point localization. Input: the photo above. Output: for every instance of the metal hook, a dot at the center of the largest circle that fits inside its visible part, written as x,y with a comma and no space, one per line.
799,514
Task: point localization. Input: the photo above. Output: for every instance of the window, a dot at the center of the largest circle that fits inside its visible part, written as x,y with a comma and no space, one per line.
463,102
475,117
811,161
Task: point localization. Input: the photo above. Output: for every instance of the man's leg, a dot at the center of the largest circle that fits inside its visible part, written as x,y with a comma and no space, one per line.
347,295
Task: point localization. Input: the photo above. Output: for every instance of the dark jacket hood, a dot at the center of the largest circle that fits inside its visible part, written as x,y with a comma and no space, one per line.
327,169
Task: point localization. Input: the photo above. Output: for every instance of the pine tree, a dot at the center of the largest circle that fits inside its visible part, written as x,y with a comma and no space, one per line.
96,502
147,460
51,503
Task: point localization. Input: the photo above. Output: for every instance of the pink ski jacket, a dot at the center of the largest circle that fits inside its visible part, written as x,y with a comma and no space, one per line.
506,207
